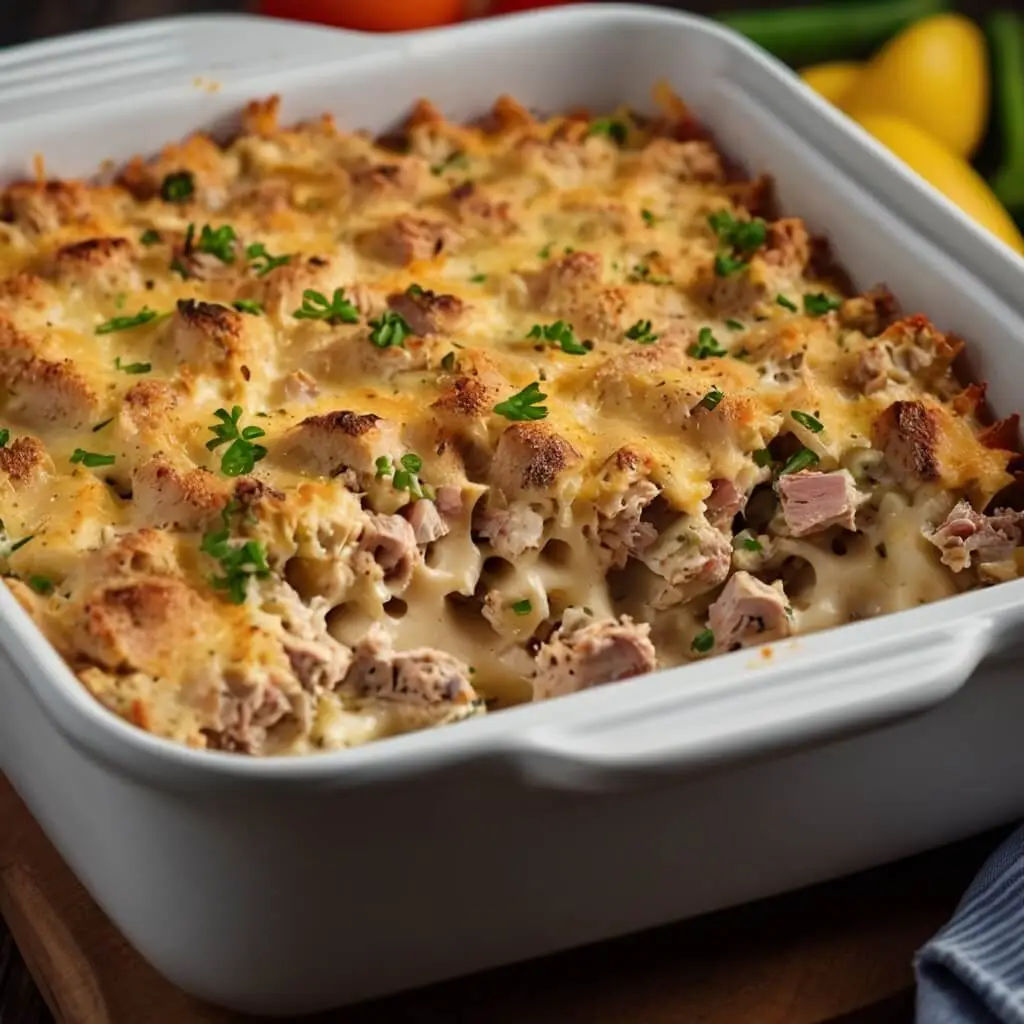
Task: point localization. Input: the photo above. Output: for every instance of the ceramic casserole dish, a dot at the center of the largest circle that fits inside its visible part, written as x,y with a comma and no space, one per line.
286,885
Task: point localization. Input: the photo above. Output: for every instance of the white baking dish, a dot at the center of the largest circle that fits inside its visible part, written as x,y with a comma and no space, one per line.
279,886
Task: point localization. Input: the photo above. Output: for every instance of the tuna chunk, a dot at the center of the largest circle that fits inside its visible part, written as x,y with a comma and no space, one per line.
691,556
246,717
406,239
584,653
425,520
748,612
620,529
428,313
420,676
511,530
812,501
389,542
725,503
907,433
966,535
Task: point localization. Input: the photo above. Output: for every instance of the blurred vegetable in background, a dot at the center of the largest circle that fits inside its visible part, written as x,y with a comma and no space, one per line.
1006,38
368,15
834,79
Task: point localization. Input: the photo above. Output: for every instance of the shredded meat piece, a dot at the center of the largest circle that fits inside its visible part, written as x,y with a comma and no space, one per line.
405,239
582,653
247,713
748,612
691,556
428,313
390,543
966,536
510,530
812,501
907,434
425,520
725,503
421,676
621,532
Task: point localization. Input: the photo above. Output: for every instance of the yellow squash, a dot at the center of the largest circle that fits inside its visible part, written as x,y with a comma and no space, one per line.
933,74
834,79
949,173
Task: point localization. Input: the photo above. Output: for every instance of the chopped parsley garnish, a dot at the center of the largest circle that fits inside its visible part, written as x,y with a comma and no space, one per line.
91,459
525,405
561,334
820,304
805,419
711,399
456,159
247,306
448,362
763,457
218,242
478,278
739,239
641,332
5,436
132,367
706,345
734,325
238,563
150,237
751,544
546,251
336,310
404,476
261,260
617,131
801,460
703,641
177,187
126,323
18,544
649,219
241,455
781,300
523,607
390,330
642,275
41,585
100,426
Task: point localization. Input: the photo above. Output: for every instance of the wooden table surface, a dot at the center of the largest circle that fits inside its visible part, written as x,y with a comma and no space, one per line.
836,952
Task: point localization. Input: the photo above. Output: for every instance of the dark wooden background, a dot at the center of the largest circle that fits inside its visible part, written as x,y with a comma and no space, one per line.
21,21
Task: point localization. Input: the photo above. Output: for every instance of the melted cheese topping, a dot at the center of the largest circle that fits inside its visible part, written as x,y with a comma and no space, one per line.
346,303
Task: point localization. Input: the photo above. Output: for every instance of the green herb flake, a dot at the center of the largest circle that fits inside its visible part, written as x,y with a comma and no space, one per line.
384,466
525,405
703,641
735,325
641,274
706,345
178,187
239,562
762,457
218,242
450,162
127,323
132,367
19,544
91,460
261,261
726,265
241,455
711,399
478,278
820,304
336,310
615,130
248,306
42,585
641,332
741,235
781,300
389,330
561,334
649,219
5,436
751,544
545,253
448,362
803,459
150,237
100,426
805,419
523,607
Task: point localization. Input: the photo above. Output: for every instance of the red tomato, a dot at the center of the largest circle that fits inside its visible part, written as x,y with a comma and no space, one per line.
368,15
511,6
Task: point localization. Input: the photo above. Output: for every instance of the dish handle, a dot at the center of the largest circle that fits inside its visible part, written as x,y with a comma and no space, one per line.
796,708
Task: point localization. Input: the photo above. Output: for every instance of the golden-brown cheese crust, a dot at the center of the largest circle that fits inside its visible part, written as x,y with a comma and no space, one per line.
229,378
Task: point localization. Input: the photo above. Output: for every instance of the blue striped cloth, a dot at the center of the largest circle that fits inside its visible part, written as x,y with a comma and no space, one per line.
972,972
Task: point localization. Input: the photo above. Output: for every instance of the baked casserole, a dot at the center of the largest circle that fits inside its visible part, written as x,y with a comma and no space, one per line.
314,438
